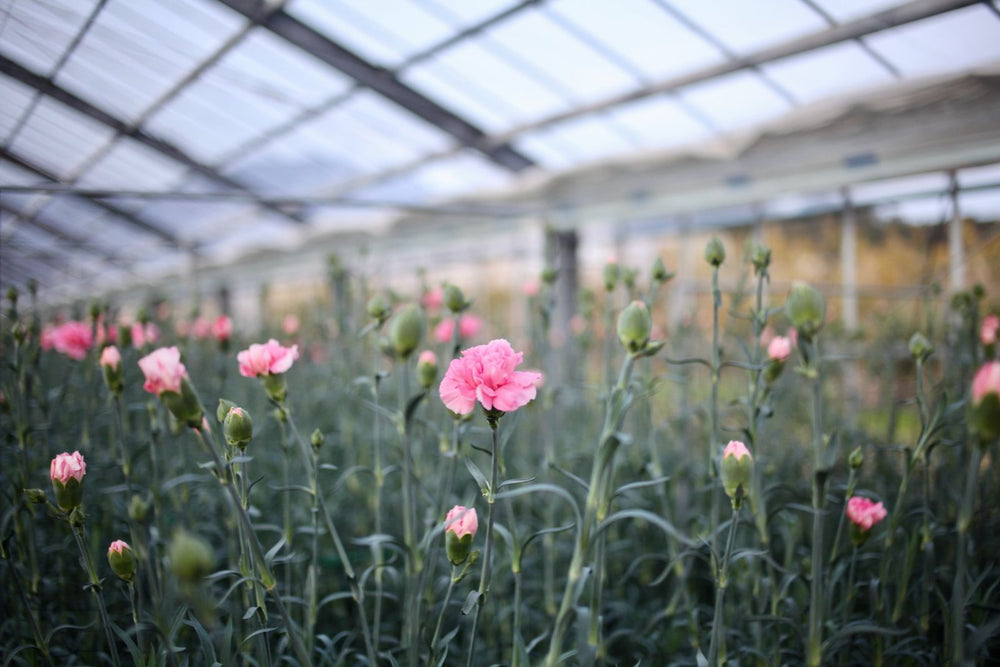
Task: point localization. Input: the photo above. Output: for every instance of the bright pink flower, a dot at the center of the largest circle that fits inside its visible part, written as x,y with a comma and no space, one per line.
779,349
290,325
118,547
988,332
737,449
163,370
485,373
864,513
462,521
73,339
222,328
986,381
111,357
433,299
468,327
47,342
66,466
267,359
201,329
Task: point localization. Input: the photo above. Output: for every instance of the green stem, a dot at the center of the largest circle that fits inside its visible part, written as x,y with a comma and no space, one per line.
814,655
714,412
849,601
851,485
722,581
435,655
958,588
484,577
95,587
377,555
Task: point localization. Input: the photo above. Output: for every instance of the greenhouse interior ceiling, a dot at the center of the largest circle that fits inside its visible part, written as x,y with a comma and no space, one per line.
141,135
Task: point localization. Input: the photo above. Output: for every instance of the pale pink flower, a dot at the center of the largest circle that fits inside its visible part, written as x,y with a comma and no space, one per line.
182,328
290,325
737,449
111,357
73,339
144,335
578,324
986,381
766,335
201,329
433,299
462,521
864,513
46,341
427,357
222,328
989,329
163,370
530,288
485,373
67,466
793,336
267,359
118,547
468,327
779,349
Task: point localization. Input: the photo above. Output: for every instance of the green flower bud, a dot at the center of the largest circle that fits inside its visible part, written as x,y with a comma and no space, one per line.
628,278
378,309
920,347
317,439
549,275
191,558
611,275
185,406
137,507
275,386
454,299
736,471
805,308
223,409
660,273
122,560
715,252
634,326
406,330
427,369
856,458
95,309
34,496
238,427
12,296
760,257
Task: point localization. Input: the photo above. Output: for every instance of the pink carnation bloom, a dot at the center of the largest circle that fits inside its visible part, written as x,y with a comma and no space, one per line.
427,357
111,357
290,325
793,336
530,288
462,521
222,328
182,328
986,381
267,359
201,329
46,340
163,370
73,339
485,373
989,329
468,327
143,335
66,466
433,299
118,547
864,513
779,349
737,449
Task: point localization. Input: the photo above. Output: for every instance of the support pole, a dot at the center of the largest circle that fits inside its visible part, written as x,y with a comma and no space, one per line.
849,263
956,247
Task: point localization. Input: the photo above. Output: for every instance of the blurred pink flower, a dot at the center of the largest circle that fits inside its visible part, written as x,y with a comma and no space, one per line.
201,329
111,357
864,513
433,299
427,357
793,336
118,547
462,521
766,335
73,339
290,325
182,328
163,370
779,349
986,381
222,328
737,449
46,340
989,329
267,359
67,466
468,327
530,288
144,335
485,373
578,324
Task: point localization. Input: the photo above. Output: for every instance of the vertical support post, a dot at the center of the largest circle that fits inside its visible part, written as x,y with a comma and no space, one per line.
561,252
849,263
956,247
685,270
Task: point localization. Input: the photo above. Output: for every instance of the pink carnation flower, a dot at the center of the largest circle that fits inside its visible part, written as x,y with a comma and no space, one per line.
986,381
427,357
67,466
468,327
111,357
72,339
47,341
433,299
118,547
267,359
530,288
462,521
222,328
201,329
163,370
989,329
737,449
485,373
779,349
864,513
290,325
143,335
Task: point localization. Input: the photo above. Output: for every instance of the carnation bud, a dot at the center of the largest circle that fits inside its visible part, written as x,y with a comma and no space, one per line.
454,299
111,366
122,560
634,326
760,257
920,347
138,507
462,524
95,309
628,278
427,369
805,308
985,403
191,558
737,468
406,330
184,406
223,409
275,386
378,309
549,275
238,427
611,275
715,252
856,458
34,496
660,273
317,439
67,472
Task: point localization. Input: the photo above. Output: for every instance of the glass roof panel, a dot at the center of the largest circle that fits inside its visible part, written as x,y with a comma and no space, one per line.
745,27
899,187
988,174
659,122
16,98
11,174
465,173
131,166
136,50
59,139
735,100
562,58
589,138
845,10
468,12
473,99
79,210
649,39
958,40
982,204
545,149
817,74
36,33
300,163
396,123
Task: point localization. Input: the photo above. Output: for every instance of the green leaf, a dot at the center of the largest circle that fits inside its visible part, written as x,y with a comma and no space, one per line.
470,602
477,474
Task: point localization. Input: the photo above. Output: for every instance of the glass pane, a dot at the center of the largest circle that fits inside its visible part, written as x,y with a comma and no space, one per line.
59,139
659,122
132,166
986,175
35,34
745,27
590,138
817,74
981,205
845,10
16,99
899,187
465,173
735,101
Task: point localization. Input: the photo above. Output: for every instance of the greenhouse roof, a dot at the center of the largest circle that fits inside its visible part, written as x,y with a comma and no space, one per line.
137,134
